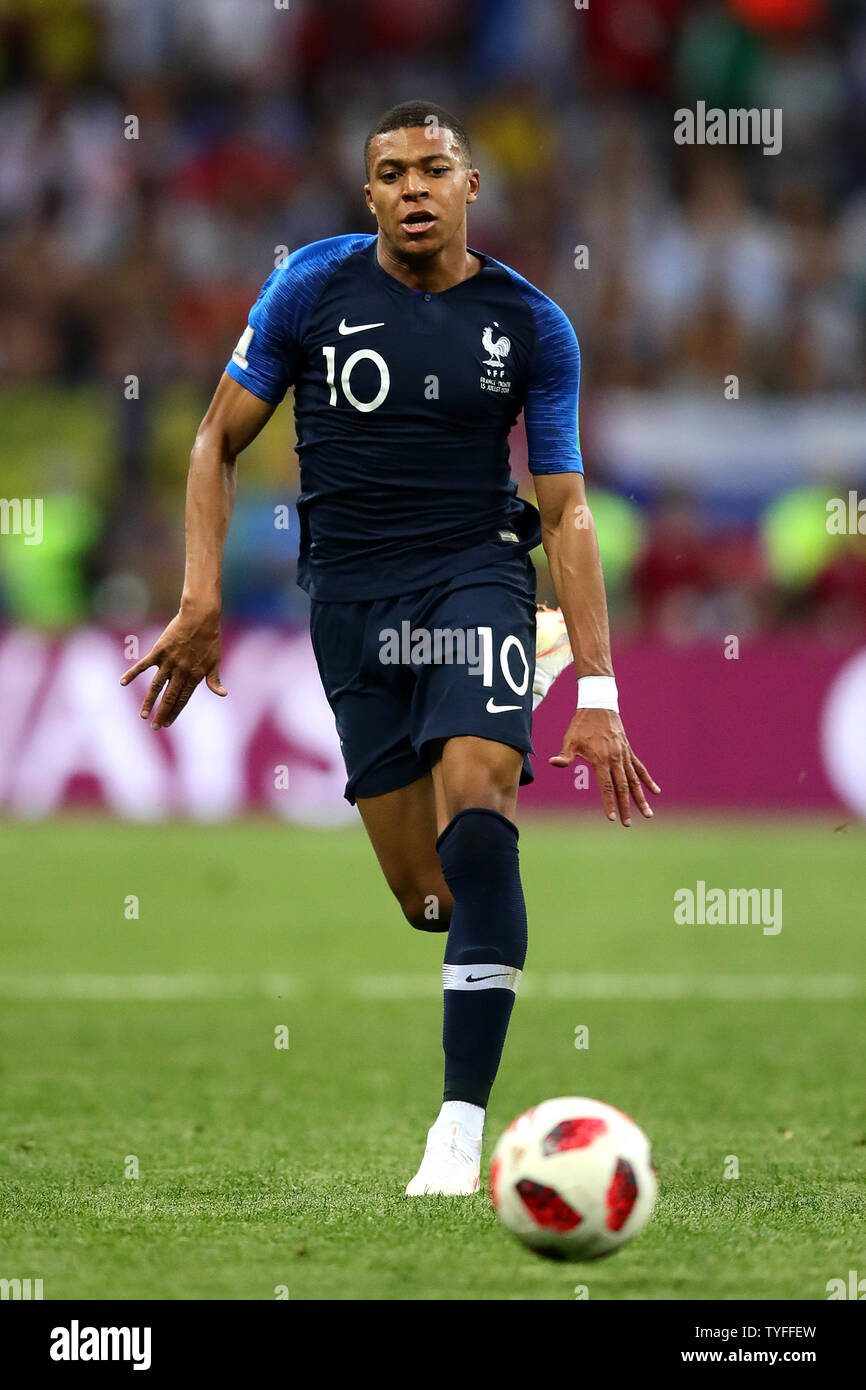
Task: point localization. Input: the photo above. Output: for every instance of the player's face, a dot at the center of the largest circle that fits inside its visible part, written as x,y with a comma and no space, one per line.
419,188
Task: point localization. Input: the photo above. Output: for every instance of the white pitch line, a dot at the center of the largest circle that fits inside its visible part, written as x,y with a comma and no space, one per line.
122,988
150,987
733,987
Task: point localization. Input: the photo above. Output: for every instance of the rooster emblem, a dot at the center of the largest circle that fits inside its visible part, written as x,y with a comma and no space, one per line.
496,348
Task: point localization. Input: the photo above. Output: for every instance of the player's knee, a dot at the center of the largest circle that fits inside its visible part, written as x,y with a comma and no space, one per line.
479,776
492,790
425,911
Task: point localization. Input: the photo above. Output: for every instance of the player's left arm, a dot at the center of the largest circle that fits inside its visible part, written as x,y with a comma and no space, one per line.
568,534
597,735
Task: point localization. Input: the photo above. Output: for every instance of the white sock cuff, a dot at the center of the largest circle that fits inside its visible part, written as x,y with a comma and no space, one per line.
493,976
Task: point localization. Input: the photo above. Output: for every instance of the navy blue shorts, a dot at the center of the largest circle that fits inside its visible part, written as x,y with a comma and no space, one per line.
451,660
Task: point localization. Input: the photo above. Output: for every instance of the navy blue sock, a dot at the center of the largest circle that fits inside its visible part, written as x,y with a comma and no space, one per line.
485,950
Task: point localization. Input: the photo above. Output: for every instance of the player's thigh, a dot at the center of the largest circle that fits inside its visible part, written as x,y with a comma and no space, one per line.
469,771
472,713
402,827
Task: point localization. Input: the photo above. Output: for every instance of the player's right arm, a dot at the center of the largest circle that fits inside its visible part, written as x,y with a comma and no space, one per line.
263,366
188,651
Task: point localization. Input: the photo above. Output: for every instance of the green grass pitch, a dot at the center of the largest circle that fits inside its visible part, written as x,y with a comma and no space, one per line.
149,1043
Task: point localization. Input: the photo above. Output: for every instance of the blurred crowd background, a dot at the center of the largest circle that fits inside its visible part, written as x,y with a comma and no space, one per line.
127,266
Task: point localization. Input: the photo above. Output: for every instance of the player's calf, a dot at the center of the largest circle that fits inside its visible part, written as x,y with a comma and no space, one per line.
485,951
425,910
402,830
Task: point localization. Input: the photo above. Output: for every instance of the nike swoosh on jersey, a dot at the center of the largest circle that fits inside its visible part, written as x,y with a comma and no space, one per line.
359,328
493,708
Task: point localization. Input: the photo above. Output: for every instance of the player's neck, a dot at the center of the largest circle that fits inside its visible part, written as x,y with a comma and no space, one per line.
447,268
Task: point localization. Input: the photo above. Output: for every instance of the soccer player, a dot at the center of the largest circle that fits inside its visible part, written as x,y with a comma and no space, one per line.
411,357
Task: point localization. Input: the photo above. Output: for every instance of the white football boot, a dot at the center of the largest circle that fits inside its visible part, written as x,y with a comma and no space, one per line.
451,1166
552,650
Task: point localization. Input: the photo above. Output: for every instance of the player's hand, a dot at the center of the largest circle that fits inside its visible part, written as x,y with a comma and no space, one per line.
187,652
597,736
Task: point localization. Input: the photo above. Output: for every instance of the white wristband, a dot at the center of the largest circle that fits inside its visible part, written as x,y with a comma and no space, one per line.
597,692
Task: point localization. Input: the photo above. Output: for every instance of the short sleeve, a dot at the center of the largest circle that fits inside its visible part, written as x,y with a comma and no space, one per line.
266,355
551,404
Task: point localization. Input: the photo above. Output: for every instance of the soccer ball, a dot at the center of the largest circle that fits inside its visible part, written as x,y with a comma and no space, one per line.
573,1179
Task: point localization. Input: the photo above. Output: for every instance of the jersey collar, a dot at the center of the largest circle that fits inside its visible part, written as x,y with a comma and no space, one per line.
486,263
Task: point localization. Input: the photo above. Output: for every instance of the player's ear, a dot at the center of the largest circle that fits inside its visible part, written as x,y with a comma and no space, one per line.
473,180
368,194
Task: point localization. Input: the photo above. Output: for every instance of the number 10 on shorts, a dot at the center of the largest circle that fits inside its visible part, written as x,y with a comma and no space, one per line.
509,644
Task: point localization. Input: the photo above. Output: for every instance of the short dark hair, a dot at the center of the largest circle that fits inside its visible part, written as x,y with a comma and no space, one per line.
418,113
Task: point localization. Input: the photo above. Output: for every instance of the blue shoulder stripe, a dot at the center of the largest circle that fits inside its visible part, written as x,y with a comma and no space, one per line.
266,358
550,409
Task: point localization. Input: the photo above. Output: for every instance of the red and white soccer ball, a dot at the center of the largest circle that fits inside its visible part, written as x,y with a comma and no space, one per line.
573,1179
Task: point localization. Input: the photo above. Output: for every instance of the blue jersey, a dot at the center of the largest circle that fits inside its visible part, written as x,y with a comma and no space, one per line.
404,400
